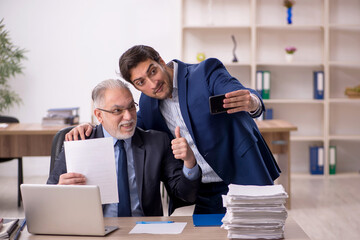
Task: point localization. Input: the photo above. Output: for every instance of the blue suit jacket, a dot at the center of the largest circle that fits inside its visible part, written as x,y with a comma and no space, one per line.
230,143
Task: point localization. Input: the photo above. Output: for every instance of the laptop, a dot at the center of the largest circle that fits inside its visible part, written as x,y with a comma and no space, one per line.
64,210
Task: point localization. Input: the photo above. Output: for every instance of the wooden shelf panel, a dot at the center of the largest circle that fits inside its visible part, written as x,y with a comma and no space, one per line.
307,138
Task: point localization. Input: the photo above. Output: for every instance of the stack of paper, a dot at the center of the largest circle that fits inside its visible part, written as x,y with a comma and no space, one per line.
254,212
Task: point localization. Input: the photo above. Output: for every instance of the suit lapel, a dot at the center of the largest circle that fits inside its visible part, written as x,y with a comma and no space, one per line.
183,102
139,162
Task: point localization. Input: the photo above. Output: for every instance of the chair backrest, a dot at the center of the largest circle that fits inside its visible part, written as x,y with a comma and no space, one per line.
57,144
8,119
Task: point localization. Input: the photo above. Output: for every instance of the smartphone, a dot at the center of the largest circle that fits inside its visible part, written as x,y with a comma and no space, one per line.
216,104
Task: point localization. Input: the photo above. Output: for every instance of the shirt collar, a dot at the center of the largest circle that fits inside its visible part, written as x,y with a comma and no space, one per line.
106,134
175,73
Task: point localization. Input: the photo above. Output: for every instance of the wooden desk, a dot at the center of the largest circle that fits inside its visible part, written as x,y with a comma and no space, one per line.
24,139
277,135
292,231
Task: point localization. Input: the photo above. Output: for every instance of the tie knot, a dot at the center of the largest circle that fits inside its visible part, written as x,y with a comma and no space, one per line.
120,144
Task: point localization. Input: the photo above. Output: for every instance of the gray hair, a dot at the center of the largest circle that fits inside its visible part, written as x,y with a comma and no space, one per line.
99,91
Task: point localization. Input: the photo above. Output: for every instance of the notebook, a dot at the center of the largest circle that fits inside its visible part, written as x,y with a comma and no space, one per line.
64,210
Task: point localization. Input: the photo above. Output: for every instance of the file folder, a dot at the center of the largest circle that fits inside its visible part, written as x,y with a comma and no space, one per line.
266,85
313,160
320,160
316,160
319,85
268,114
332,160
259,82
206,220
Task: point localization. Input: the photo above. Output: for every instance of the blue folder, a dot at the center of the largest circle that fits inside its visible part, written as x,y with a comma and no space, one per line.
206,220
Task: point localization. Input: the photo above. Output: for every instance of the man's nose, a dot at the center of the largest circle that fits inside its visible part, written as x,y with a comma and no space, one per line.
127,114
153,83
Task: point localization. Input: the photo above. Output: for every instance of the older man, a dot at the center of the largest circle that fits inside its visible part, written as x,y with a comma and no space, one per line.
147,154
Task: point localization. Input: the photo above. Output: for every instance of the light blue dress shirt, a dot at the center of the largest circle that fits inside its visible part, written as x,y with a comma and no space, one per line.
110,210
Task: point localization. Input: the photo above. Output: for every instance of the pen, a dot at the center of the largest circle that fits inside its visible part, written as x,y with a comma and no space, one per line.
20,229
153,222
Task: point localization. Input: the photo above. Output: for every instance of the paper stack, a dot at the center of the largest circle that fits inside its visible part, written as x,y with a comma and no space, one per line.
255,212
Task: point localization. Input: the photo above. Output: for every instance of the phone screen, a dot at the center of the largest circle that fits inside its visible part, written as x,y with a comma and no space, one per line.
216,104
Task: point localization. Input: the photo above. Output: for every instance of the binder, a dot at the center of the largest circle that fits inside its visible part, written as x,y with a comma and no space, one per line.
268,114
266,85
206,220
259,82
316,160
318,85
313,159
320,163
332,160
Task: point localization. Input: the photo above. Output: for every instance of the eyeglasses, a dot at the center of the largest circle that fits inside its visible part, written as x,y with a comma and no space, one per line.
119,111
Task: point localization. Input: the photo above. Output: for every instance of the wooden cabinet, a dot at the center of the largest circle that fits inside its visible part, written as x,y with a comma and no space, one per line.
326,34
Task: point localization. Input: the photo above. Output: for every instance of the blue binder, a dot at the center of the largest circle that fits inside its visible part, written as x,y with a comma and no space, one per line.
316,160
318,85
268,114
206,220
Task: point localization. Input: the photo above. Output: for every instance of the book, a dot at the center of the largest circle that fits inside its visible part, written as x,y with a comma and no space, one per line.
9,225
318,85
266,85
332,159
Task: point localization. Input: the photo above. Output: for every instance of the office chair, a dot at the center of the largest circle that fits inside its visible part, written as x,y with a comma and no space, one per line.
8,119
57,144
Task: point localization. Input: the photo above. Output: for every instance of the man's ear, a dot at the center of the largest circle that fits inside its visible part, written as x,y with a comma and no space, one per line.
162,62
98,115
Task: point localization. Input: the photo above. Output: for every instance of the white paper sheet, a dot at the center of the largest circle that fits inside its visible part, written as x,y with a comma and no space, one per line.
95,159
162,228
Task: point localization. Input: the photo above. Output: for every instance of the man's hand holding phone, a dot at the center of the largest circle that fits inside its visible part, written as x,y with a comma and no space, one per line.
233,102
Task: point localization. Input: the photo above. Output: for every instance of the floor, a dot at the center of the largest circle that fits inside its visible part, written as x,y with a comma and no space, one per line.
326,208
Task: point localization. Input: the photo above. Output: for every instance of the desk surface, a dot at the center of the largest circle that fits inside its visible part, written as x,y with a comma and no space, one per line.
27,139
292,230
275,126
30,129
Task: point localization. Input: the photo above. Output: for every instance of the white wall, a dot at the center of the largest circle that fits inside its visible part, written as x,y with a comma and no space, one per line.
73,45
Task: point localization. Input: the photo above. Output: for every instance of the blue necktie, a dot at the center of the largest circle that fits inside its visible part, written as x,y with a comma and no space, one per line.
124,207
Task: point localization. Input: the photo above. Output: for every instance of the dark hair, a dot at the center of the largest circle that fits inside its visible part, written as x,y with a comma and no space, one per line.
135,55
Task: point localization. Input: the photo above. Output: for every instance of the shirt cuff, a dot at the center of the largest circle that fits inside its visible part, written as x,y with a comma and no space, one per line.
256,112
191,173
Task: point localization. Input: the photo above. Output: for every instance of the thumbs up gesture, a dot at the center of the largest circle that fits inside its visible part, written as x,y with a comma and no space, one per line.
182,150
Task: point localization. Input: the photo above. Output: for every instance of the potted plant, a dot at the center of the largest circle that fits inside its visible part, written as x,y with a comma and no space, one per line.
290,53
10,65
